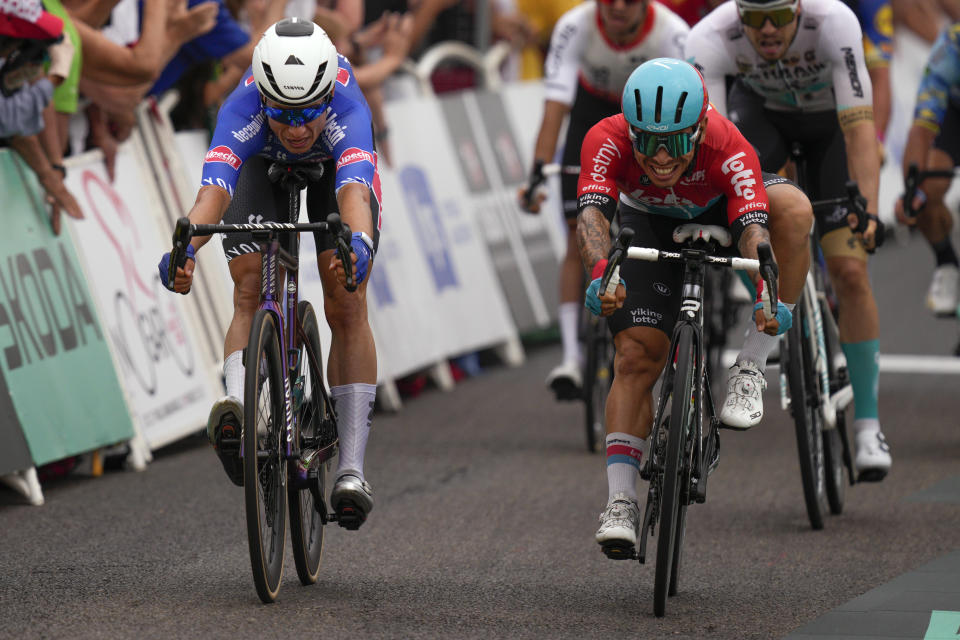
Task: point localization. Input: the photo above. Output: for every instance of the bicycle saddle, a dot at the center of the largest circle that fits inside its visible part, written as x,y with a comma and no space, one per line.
705,232
294,175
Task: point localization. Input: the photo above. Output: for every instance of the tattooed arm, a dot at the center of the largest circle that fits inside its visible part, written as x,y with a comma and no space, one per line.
593,236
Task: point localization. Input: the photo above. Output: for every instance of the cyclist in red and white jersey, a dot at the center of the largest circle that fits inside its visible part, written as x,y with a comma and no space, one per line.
666,159
802,78
594,48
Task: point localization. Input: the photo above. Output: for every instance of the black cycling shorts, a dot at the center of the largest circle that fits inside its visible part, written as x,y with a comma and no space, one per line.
948,140
772,133
256,200
588,109
653,288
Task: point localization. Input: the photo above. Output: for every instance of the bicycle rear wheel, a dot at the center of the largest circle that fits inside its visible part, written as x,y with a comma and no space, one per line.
597,378
316,435
805,392
672,520
264,455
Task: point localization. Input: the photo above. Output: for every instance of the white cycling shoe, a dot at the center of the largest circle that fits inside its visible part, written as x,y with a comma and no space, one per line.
943,295
873,458
619,526
566,381
743,407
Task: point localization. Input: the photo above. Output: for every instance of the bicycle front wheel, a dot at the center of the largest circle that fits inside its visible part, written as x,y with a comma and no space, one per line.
264,455
598,376
316,435
804,386
672,519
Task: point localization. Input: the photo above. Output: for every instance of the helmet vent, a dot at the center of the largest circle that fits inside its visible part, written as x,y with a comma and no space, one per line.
636,95
659,107
679,114
294,60
317,79
294,28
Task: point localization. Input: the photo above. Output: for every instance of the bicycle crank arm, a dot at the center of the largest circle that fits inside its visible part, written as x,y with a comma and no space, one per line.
836,402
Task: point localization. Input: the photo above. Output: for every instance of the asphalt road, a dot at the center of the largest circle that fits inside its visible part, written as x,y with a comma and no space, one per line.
486,506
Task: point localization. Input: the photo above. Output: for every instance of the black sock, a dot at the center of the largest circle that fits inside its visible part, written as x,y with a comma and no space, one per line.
944,253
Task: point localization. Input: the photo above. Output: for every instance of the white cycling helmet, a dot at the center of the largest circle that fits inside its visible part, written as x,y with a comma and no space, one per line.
295,63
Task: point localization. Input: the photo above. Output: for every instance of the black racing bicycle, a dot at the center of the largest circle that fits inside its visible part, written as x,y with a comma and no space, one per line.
685,443
289,434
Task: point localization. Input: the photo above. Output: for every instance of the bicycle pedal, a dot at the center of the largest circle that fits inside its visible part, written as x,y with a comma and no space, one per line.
349,516
619,550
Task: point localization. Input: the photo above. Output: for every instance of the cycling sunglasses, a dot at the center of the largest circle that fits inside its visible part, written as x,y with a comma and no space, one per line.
296,117
677,144
756,18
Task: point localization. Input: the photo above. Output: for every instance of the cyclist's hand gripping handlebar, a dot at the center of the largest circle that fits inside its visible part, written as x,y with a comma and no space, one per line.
533,182
342,236
858,207
178,255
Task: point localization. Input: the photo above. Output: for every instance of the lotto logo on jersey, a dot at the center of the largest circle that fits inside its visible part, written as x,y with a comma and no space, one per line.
343,76
742,178
224,154
352,155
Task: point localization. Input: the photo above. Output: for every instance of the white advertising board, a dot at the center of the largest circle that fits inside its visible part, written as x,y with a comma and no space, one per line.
153,341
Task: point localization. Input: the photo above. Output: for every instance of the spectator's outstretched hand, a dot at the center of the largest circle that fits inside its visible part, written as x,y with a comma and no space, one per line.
186,23
396,35
59,198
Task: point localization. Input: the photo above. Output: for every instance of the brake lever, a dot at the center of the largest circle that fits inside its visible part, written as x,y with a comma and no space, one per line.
911,183
770,272
859,206
342,235
537,178
178,255
611,275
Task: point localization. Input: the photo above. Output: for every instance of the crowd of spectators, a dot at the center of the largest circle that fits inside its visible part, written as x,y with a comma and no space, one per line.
73,71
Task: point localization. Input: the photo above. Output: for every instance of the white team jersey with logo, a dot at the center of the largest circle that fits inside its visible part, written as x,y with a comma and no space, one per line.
580,52
822,70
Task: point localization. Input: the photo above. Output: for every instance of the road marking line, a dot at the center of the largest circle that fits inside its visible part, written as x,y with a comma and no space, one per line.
944,625
891,363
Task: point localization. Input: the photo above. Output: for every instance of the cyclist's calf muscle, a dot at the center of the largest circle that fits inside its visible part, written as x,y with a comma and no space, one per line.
641,356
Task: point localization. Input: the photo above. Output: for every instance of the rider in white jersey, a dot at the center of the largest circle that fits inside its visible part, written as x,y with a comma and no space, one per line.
801,78
594,48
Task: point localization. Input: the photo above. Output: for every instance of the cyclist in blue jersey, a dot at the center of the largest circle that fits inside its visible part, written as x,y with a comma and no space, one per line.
299,104
934,144
876,20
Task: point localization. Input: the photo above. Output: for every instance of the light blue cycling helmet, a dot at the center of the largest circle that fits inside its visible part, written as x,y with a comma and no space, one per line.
663,95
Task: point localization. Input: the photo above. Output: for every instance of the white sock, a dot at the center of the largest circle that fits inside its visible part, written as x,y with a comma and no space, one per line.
568,315
234,373
624,456
758,345
862,425
354,406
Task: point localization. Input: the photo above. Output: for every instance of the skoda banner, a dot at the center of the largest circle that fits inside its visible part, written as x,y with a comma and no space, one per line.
53,351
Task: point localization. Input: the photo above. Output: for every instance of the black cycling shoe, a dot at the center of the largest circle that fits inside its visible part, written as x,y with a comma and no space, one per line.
223,431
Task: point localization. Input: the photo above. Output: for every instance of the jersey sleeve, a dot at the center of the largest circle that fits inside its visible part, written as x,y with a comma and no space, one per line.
239,134
842,39
349,135
876,19
562,64
601,161
704,49
735,170
942,72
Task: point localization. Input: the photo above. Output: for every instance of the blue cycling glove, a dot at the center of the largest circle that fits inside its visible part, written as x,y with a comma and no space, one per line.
783,315
362,245
164,265
591,300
